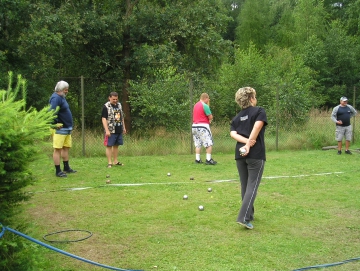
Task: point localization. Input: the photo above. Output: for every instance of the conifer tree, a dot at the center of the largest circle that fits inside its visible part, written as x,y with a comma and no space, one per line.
21,132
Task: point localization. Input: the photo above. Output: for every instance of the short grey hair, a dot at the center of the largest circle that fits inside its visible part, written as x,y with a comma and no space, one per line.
243,96
61,85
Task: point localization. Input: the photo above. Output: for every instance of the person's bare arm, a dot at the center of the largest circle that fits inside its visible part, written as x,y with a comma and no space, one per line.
105,124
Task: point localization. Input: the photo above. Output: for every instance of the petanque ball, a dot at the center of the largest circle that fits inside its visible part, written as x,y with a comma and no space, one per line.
108,181
185,197
201,208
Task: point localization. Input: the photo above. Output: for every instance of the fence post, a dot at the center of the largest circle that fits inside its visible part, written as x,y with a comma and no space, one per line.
354,121
190,107
82,116
277,120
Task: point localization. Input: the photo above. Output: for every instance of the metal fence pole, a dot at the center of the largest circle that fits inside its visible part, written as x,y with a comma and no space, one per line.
190,108
82,116
277,120
354,121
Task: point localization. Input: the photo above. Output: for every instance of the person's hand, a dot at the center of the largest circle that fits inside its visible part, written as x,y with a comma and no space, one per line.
246,148
124,130
339,122
57,126
107,133
252,142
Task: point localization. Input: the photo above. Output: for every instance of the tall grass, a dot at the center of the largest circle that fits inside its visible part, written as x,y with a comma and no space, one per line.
317,132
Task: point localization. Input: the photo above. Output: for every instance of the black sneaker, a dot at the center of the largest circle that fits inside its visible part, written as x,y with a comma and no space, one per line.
348,152
211,162
339,152
61,174
198,161
70,171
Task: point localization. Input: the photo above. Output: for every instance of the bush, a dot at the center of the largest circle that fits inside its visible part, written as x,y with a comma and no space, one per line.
21,132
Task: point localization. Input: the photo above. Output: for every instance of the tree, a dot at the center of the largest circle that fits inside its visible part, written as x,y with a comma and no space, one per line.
254,20
21,131
123,40
278,73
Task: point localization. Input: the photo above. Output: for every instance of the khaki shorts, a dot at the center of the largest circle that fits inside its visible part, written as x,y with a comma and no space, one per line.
343,131
60,141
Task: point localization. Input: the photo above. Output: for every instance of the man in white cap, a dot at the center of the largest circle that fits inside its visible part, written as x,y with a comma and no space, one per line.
341,115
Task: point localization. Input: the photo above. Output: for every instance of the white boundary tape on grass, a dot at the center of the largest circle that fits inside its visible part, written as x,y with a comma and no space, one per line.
281,177
214,181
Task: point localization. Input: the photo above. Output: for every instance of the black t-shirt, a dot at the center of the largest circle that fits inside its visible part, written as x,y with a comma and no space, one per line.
343,114
243,124
117,117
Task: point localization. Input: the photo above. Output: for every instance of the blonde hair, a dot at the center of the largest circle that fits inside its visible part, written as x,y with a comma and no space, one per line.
203,96
243,96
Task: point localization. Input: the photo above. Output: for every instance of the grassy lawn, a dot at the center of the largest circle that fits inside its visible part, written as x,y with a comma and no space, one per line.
307,212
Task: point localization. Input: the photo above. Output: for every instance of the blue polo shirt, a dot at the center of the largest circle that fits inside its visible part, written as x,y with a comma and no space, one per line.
64,115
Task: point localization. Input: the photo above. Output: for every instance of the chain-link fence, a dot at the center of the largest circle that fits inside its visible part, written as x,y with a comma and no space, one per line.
86,98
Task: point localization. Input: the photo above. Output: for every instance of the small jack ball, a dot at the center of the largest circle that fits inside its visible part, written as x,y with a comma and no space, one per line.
201,208
209,189
169,174
185,197
108,181
191,178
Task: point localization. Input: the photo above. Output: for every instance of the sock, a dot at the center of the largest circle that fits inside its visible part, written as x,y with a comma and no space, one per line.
57,168
208,156
197,156
66,165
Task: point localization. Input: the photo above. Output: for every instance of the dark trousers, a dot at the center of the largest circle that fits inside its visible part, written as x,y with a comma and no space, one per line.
250,172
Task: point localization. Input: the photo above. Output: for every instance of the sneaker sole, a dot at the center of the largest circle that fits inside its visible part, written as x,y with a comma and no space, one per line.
245,225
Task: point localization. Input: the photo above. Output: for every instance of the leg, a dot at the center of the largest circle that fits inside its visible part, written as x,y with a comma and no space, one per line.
208,143
115,150
197,143
57,156
339,145
255,169
108,154
347,145
65,154
348,137
339,135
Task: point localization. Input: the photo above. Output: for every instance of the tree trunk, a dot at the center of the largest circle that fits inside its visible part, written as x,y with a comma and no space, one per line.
126,54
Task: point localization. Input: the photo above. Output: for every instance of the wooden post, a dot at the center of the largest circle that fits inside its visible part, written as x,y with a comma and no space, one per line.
191,86
277,119
354,121
82,115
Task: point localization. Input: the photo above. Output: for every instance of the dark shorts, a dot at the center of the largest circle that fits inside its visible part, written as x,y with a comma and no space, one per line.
113,140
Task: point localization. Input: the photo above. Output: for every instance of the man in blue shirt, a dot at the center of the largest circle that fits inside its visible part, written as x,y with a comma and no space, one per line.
341,115
62,141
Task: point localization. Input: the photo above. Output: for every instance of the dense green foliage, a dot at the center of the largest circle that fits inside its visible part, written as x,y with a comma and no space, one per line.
301,48
20,129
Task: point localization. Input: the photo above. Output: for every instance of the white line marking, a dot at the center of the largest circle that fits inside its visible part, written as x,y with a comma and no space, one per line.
279,177
214,181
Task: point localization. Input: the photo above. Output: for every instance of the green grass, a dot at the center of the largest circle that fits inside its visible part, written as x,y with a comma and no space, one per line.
303,217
